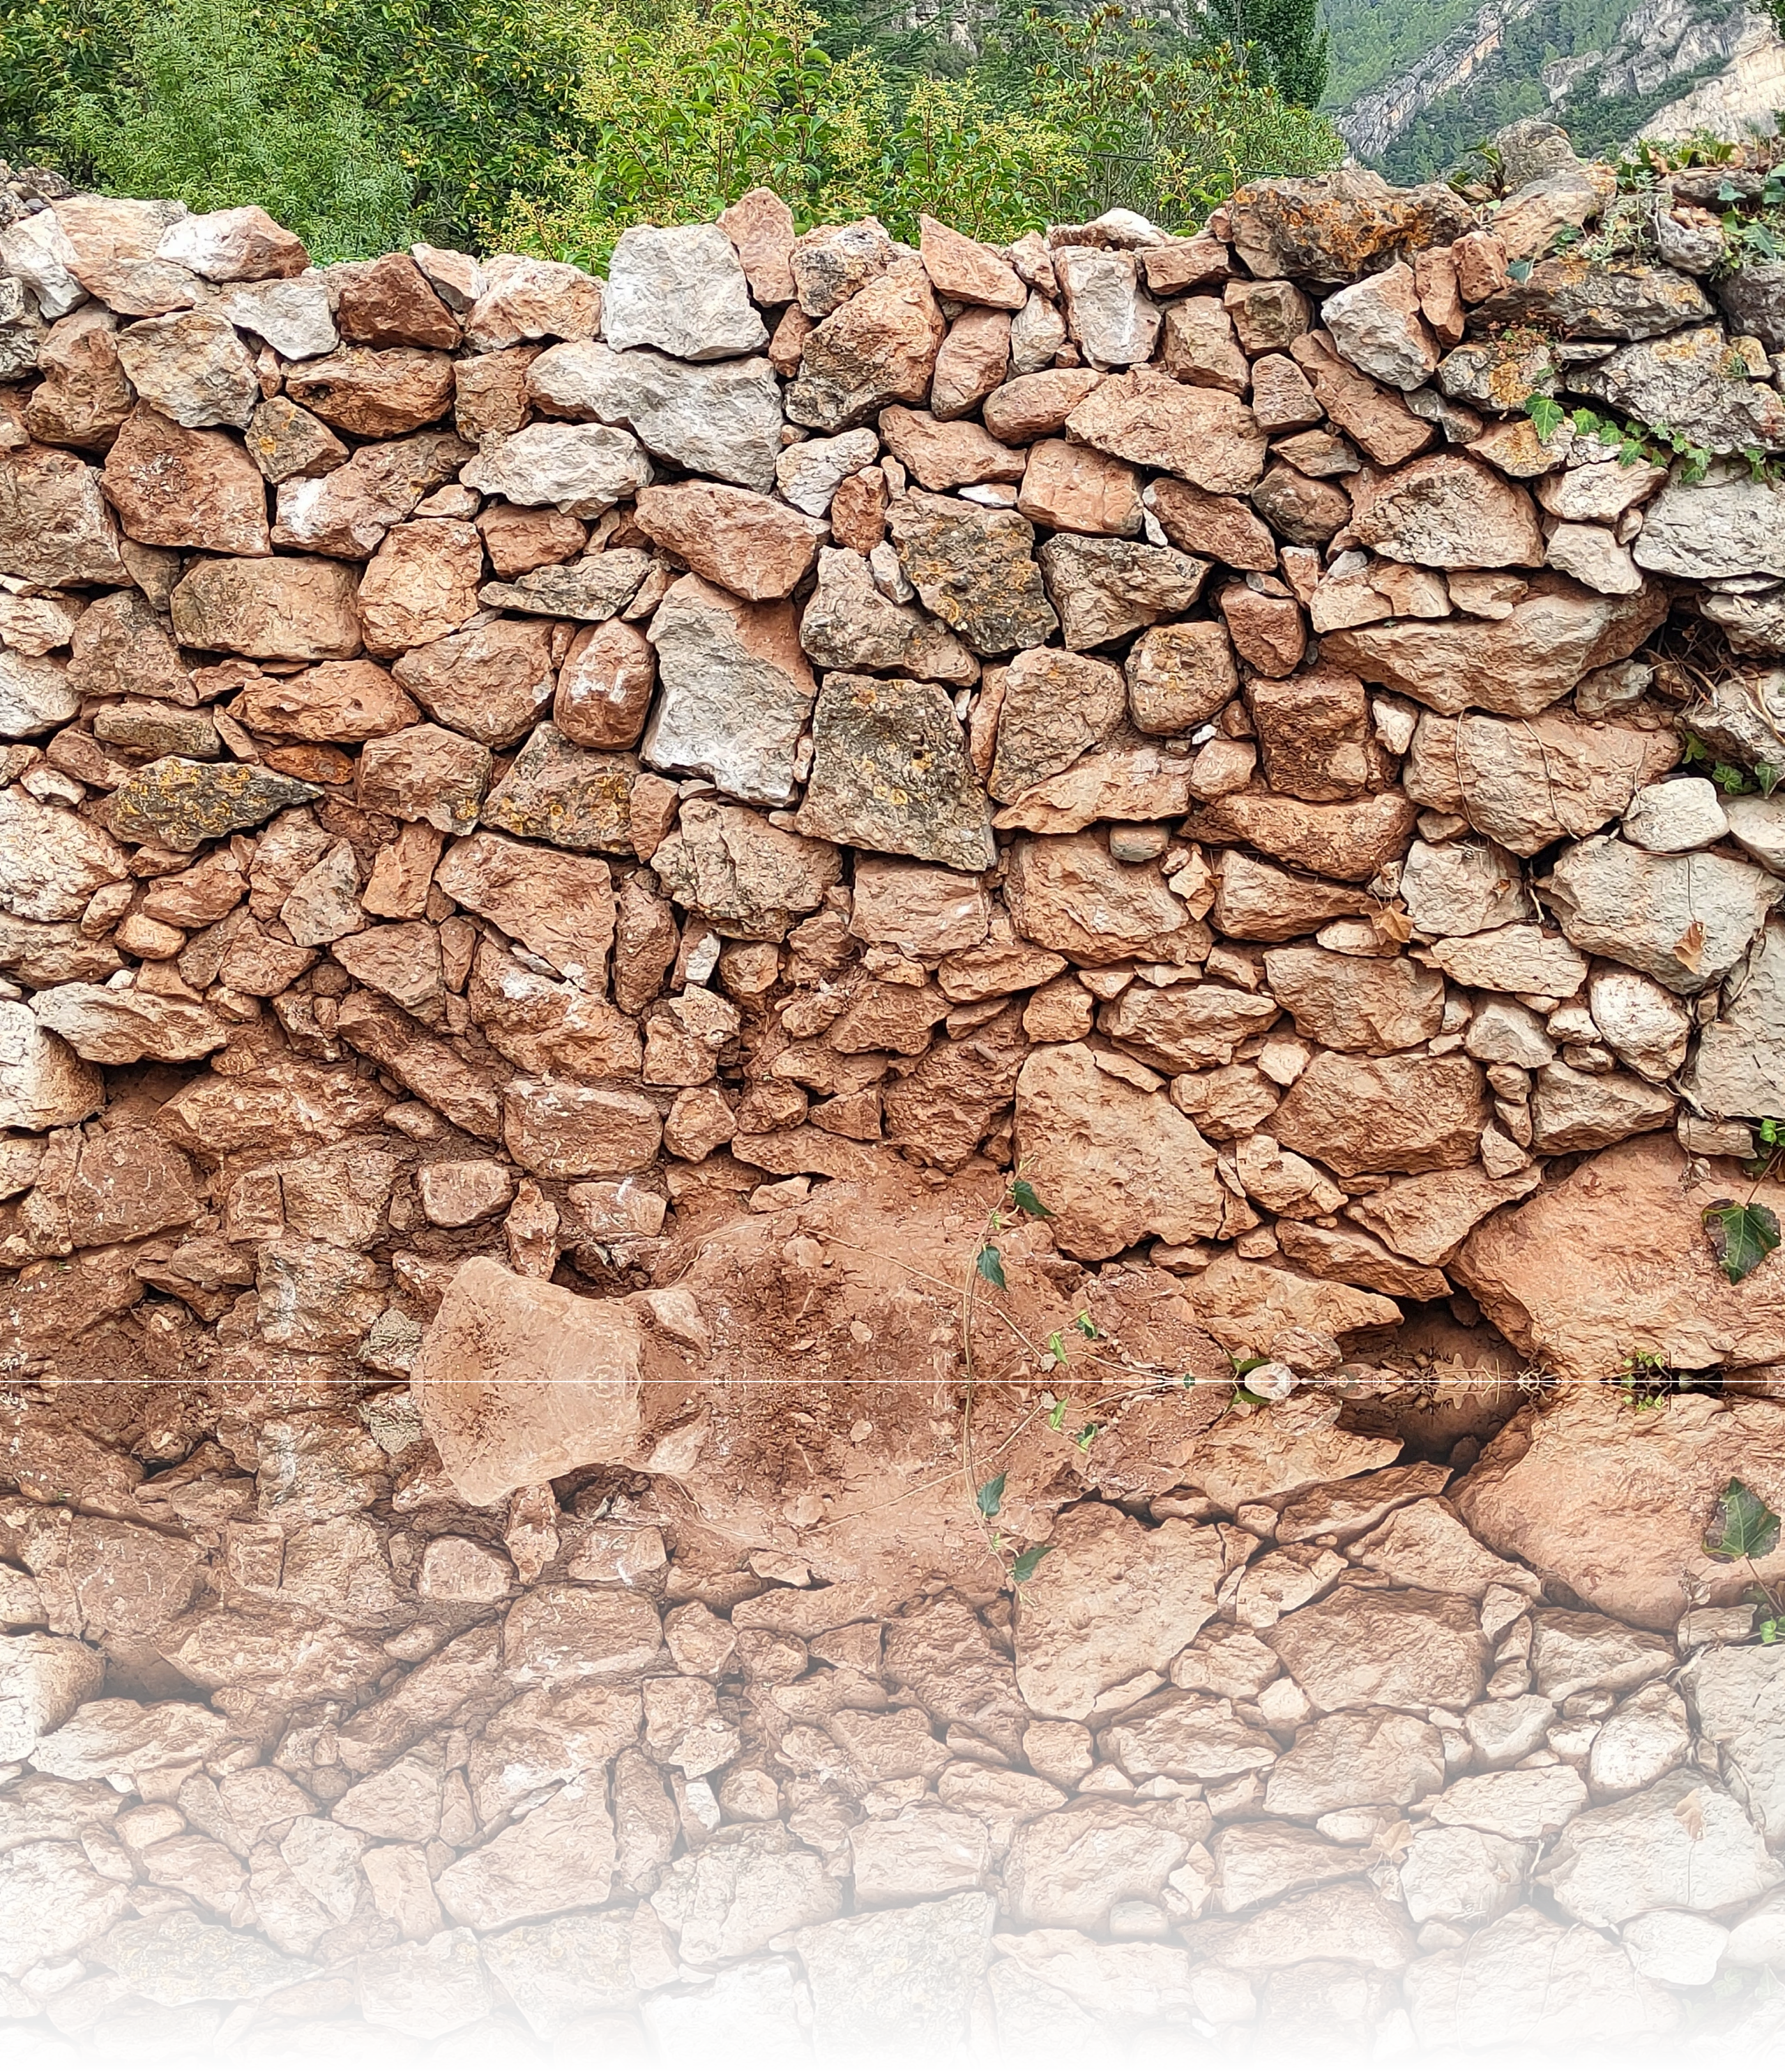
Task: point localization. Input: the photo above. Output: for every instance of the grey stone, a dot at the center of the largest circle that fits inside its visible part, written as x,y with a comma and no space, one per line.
693,2029
1104,589
179,803
1729,524
681,290
847,624
1622,299
592,590
581,470
176,1958
35,694
975,569
1753,298
1684,1842
1689,383
1113,320
722,419
890,771
1740,1067
293,317
808,474
736,691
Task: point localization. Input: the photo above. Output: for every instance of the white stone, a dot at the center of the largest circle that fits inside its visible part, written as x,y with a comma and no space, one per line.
901,1981
1683,1842
1375,323
809,473
1679,813
722,419
1645,1024
1592,556
1758,1937
1522,1805
1737,1695
580,470
681,290
114,1027
52,862
1678,1949
1740,1067
923,1853
293,317
693,2030
1616,900
1115,323
43,1085
1647,1736
1463,1876
42,1678
37,251
35,694
1758,826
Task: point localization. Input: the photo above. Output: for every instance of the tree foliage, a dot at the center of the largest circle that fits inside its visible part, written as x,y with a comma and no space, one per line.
553,124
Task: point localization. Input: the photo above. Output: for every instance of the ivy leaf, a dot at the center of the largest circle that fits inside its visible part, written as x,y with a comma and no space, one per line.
1057,1416
1028,1562
1727,191
1767,776
991,1266
1547,414
990,1497
1027,1199
1742,1235
1742,1528
1521,270
1249,1395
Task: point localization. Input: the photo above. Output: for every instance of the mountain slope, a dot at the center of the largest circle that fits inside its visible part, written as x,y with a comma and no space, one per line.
1415,90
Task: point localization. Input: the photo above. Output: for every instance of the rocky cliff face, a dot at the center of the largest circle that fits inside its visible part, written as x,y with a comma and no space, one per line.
686,786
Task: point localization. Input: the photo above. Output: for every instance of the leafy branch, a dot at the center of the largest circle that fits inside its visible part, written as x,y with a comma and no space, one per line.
1742,1234
1744,1527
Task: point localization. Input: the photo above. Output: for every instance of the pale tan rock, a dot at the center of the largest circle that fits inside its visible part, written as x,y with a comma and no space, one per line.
55,526
1528,782
1179,676
192,368
848,624
1517,665
1258,902
1181,1029
1244,1303
1380,423
1158,1587
1397,1647
1659,1290
1067,1869
1407,1114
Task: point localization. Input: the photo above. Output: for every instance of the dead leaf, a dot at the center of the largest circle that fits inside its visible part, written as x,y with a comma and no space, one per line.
1395,925
1690,949
1690,1814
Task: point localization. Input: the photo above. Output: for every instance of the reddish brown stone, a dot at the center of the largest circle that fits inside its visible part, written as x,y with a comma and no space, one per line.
374,395
746,543
172,487
388,302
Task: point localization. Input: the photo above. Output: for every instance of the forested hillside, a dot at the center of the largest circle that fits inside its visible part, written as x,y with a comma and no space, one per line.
363,123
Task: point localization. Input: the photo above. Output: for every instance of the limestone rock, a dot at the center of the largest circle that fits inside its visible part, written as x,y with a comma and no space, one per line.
1103,589
879,347
1375,324
1517,665
192,368
114,1028
1069,894
906,1978
1685,920
179,803
736,691
277,609
751,545
1407,1114
1393,1647
722,418
1208,437
1449,511
1363,1757
54,526
1647,1481
847,624
43,1679
748,878
1697,383
681,290
580,470
975,570
890,771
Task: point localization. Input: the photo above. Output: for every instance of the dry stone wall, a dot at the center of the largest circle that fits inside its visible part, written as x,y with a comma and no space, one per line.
506,763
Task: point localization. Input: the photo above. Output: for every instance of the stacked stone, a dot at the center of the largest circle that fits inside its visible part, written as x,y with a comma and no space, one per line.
334,1736
487,741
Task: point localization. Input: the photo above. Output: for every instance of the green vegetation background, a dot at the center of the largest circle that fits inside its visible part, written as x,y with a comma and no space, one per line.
551,125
